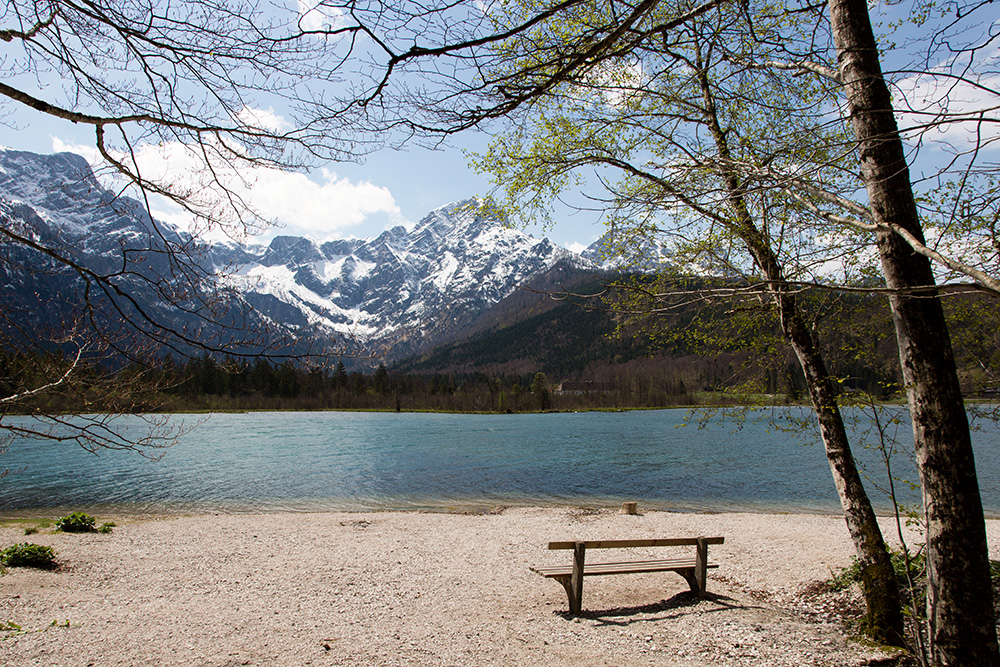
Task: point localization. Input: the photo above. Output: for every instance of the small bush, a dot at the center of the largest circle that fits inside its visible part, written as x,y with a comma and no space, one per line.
29,555
77,522
914,598
106,527
995,572
852,573
31,530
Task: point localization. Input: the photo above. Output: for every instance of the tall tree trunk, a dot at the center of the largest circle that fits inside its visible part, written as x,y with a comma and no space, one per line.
960,599
884,618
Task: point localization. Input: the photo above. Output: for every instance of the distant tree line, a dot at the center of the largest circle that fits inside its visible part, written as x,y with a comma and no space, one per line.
692,357
205,384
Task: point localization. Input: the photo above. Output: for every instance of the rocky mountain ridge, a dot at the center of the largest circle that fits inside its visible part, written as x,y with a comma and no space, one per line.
403,289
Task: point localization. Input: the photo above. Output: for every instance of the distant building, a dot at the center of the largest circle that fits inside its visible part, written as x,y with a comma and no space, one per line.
581,387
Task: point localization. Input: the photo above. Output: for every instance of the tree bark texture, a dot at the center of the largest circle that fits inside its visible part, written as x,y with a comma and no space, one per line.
962,626
884,618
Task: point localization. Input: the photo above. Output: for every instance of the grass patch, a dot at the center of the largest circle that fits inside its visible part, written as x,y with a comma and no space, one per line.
81,522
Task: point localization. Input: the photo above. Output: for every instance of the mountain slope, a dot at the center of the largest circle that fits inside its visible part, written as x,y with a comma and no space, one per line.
531,330
75,259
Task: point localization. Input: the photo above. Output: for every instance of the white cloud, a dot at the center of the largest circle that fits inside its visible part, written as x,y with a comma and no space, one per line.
321,205
618,80
89,152
264,119
576,247
484,7
940,108
315,16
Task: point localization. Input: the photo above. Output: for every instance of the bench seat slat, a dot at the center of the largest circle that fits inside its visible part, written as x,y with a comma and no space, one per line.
630,567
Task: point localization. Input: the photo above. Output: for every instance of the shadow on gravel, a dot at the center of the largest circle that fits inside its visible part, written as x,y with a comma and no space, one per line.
682,604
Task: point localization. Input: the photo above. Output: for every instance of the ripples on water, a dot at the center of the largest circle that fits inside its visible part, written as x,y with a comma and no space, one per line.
368,461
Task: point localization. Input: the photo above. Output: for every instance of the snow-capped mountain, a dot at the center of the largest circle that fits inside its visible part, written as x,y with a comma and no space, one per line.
618,250
76,258
403,288
456,262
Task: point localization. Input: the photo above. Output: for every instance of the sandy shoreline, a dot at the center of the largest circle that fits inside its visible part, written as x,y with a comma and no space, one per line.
410,588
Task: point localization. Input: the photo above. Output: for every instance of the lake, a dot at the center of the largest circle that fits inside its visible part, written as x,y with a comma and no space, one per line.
315,461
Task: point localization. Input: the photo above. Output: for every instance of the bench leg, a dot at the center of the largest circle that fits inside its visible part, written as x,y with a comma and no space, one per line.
689,576
574,600
697,577
576,580
701,566
573,583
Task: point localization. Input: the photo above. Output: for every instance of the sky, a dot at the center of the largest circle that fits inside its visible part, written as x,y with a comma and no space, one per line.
334,200
338,200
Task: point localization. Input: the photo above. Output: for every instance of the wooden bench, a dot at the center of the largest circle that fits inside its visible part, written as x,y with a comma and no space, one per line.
571,576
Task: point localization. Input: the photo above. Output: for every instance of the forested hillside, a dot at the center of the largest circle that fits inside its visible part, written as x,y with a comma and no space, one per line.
565,346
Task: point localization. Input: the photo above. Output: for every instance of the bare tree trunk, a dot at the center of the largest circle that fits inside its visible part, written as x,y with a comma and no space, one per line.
960,599
884,617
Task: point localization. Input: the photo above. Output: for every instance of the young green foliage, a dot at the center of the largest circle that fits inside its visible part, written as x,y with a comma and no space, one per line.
77,522
29,555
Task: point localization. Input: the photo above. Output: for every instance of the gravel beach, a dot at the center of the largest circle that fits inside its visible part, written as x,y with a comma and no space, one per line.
414,588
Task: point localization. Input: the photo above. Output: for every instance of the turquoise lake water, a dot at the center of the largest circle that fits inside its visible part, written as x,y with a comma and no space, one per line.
370,461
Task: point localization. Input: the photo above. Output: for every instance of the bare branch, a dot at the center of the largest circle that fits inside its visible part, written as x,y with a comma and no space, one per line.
16,398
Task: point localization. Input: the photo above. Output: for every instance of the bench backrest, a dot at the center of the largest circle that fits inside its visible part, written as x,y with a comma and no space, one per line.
622,544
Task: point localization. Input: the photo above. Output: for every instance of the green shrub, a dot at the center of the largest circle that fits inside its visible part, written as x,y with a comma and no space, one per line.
106,527
29,555
914,597
852,573
77,522
995,572
31,530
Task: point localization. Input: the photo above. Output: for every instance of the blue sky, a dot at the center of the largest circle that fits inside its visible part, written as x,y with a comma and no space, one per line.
334,200
351,199
401,186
